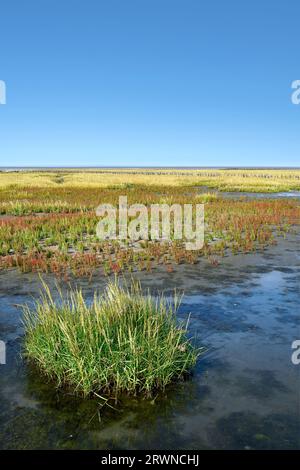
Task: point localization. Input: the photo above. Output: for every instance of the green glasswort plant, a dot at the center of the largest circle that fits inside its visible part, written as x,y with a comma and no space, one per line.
121,342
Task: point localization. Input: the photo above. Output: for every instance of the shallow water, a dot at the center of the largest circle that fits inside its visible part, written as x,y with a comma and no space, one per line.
250,195
244,393
280,195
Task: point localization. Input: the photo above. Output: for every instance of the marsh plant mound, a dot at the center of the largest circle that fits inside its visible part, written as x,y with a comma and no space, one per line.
121,342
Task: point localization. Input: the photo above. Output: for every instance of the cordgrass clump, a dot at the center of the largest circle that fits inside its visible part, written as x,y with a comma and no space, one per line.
121,342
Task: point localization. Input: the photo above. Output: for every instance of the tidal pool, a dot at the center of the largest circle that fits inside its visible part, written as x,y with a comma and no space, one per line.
244,393
249,195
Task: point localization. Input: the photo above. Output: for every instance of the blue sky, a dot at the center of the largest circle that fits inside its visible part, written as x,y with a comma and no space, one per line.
149,82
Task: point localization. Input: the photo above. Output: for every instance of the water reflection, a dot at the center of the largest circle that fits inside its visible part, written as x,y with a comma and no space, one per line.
244,392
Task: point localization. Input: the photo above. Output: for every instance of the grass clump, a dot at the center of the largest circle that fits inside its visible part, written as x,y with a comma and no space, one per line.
121,342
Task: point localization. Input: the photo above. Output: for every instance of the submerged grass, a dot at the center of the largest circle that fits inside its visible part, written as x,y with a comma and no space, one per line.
122,342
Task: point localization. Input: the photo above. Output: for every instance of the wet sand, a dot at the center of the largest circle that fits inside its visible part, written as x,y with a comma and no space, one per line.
244,392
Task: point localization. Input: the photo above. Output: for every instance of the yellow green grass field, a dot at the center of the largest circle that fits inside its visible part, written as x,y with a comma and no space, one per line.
252,180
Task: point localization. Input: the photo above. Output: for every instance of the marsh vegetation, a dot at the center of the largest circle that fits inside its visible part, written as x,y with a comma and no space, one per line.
77,344
48,226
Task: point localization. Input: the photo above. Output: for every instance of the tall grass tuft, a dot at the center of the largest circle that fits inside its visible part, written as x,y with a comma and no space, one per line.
121,342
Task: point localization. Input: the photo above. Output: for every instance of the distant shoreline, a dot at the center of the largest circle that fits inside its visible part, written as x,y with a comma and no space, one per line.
53,168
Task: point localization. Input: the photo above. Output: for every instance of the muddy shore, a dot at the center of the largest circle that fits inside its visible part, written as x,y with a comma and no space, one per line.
244,393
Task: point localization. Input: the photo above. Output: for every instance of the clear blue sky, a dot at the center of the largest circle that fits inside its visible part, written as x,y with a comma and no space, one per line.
149,82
